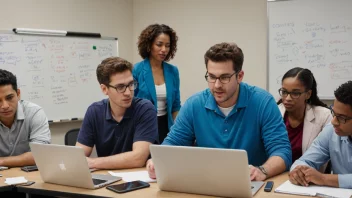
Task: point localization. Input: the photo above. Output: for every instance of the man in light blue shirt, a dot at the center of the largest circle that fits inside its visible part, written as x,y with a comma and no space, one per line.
333,143
21,122
234,115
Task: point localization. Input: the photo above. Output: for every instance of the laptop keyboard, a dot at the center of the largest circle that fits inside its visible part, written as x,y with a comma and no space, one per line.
98,181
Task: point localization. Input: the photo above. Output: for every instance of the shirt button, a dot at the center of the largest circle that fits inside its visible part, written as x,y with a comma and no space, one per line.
225,130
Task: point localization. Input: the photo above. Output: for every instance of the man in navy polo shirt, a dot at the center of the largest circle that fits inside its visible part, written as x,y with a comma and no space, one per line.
121,127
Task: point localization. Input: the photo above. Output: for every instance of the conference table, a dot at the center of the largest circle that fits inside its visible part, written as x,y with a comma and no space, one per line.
41,188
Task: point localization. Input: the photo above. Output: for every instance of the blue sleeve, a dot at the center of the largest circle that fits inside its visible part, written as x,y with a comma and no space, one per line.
182,132
318,153
147,124
345,180
274,132
177,102
87,131
135,73
40,132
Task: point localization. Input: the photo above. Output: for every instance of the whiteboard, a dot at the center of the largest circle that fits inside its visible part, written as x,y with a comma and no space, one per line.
57,73
313,34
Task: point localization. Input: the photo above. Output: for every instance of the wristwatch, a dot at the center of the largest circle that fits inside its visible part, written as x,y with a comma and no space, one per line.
261,168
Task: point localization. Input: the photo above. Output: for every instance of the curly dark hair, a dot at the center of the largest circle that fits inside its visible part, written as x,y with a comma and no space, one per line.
224,52
111,66
7,78
306,77
344,93
148,35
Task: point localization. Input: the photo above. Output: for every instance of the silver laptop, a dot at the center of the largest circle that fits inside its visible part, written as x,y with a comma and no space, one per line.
208,171
67,165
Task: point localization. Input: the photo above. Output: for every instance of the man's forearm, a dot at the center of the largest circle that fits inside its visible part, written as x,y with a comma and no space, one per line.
120,161
24,159
274,166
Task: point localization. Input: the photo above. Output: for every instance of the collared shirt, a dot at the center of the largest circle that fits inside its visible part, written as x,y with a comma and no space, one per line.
328,145
30,125
254,124
110,137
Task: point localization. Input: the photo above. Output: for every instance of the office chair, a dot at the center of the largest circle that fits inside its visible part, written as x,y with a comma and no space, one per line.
71,137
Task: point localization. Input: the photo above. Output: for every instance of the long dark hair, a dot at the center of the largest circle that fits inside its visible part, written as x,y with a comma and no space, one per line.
307,79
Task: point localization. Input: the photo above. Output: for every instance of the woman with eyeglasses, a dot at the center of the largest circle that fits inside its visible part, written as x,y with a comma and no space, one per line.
159,81
304,114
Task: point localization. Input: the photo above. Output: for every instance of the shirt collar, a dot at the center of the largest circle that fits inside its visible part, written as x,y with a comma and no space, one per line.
19,112
128,112
345,139
242,100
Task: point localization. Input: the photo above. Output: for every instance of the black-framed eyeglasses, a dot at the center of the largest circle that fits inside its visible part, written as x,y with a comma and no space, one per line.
121,88
294,94
341,119
223,78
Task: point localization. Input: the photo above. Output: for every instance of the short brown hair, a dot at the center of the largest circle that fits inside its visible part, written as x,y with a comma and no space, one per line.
111,66
148,35
224,52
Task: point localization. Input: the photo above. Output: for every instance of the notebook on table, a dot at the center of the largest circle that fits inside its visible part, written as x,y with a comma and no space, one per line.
313,190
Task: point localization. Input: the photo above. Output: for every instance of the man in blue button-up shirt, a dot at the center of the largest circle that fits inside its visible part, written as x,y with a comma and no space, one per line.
232,114
333,143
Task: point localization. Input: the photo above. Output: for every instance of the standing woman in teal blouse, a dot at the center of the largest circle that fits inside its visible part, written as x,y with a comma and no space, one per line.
159,81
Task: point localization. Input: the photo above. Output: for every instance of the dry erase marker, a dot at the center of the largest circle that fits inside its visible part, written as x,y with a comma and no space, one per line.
94,47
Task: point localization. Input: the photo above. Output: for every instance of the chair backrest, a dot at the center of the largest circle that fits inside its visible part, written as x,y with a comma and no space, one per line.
71,137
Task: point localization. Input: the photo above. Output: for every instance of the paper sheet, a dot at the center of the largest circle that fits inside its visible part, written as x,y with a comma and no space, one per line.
4,167
133,176
313,190
15,180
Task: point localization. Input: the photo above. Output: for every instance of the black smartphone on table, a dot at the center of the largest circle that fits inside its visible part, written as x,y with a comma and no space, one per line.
29,168
268,186
128,186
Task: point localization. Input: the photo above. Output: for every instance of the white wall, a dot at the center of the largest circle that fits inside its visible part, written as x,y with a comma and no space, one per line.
199,25
108,17
202,23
